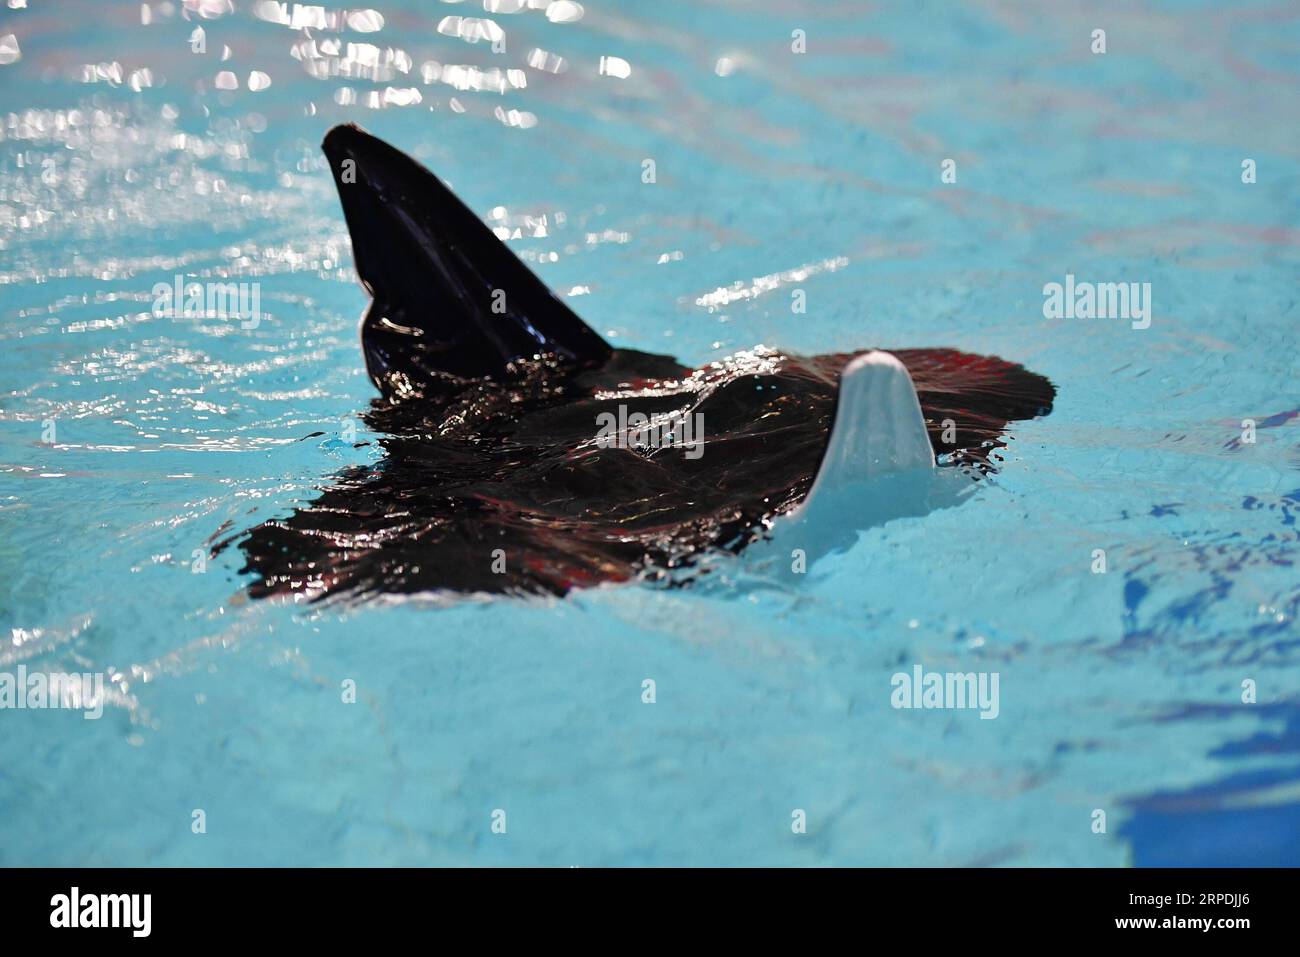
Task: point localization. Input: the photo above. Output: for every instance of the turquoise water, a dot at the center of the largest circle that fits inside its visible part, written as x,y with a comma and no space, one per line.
1120,692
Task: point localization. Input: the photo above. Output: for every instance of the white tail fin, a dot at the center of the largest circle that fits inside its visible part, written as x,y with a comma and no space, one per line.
878,428
878,466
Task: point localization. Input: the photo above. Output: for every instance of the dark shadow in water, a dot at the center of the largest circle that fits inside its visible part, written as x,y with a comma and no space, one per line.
1248,819
501,487
496,479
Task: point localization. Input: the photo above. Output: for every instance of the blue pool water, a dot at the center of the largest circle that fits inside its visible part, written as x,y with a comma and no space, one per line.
1120,692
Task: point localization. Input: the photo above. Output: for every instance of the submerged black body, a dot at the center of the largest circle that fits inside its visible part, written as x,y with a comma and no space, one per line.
494,480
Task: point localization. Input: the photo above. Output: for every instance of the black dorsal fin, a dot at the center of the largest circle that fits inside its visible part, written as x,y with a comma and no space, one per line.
450,300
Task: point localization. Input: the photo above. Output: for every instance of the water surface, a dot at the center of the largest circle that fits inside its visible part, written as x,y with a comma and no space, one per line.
127,159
